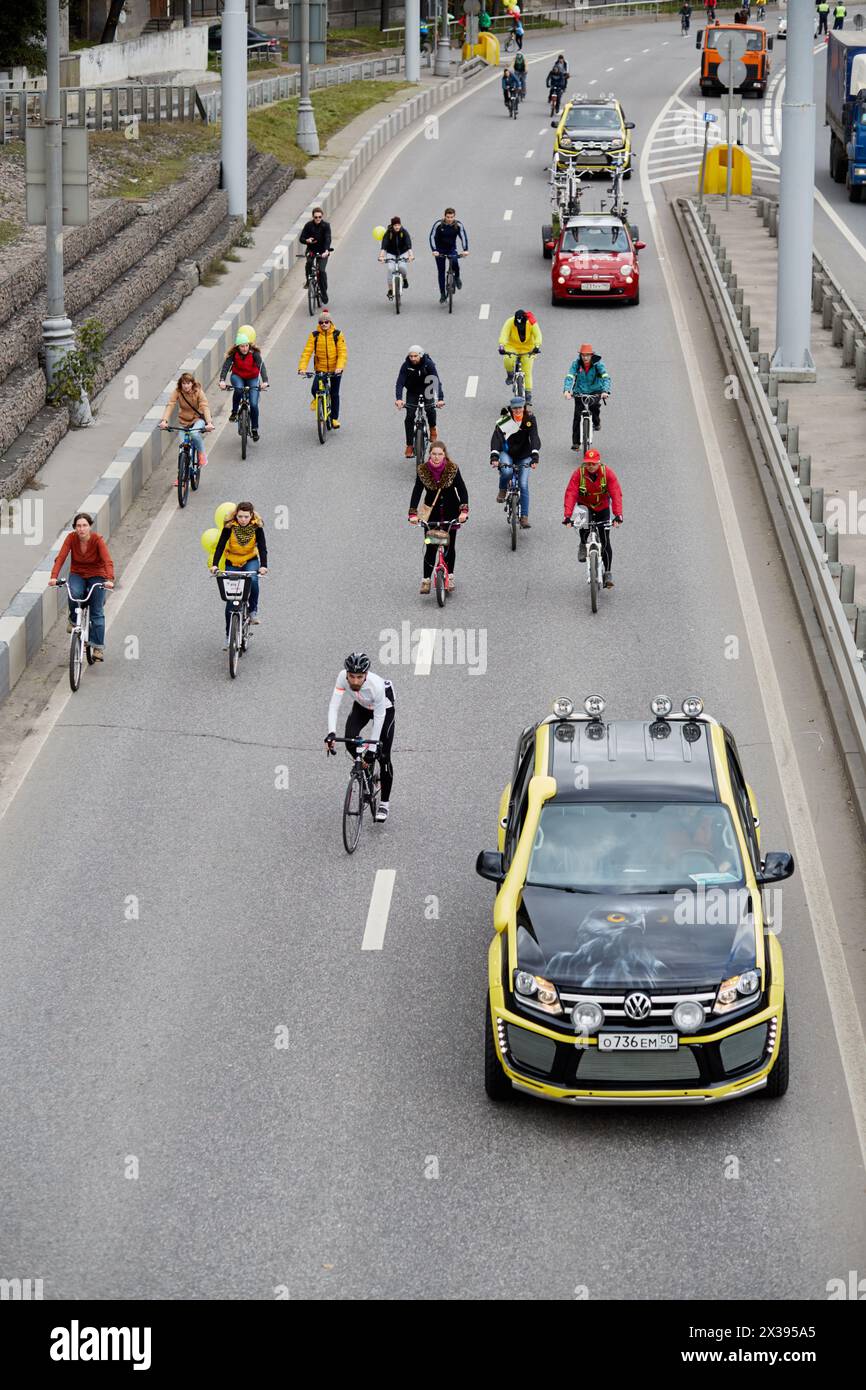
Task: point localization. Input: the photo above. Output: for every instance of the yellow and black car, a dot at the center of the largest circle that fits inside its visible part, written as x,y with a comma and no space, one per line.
632,960
593,136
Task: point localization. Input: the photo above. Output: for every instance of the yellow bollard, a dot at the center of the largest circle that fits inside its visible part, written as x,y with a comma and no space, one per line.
716,175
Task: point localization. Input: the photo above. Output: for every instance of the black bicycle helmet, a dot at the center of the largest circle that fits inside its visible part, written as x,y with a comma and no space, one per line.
357,663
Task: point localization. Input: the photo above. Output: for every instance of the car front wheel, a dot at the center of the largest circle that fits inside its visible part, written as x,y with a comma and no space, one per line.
496,1083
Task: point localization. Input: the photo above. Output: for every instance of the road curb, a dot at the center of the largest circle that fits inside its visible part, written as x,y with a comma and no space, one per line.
835,657
26,622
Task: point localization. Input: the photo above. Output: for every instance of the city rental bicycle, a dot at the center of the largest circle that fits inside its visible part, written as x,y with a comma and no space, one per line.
79,641
234,587
363,790
188,466
583,518
323,403
438,536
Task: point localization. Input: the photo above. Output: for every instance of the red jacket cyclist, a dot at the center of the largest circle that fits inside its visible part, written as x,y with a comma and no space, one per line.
595,486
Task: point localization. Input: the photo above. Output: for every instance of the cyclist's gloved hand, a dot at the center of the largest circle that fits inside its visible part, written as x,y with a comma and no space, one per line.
617,521
536,351
329,743
567,521
501,350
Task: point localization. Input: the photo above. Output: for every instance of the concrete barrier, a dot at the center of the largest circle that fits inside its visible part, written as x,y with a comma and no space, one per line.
35,608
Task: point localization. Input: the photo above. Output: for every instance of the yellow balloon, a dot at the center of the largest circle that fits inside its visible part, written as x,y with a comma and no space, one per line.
209,540
224,510
378,233
250,332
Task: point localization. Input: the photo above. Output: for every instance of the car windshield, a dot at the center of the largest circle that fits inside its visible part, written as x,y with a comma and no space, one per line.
593,120
595,239
634,847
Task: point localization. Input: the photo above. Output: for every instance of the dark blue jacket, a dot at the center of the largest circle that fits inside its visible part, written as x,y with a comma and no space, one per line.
414,379
444,237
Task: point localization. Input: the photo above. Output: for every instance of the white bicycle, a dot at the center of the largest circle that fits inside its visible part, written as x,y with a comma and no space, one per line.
582,519
79,642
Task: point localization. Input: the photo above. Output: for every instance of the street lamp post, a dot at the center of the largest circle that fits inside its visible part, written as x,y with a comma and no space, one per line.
792,360
307,135
57,336
233,128
442,66
413,40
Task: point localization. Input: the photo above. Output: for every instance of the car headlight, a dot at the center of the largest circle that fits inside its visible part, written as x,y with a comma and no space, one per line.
564,269
587,1017
566,142
688,1015
661,706
692,707
541,992
594,706
734,991
617,144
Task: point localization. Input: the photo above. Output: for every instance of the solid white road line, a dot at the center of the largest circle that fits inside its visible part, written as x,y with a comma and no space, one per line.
424,651
506,216
816,890
496,258
484,311
471,386
377,913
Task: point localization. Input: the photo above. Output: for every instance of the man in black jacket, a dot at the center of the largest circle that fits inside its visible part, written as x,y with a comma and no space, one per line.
515,444
316,238
419,378
396,250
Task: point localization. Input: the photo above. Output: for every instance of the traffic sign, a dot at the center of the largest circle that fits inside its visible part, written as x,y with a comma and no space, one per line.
75,175
732,46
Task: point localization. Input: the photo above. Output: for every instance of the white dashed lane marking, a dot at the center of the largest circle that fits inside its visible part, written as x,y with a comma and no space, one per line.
380,906
425,650
530,153
484,311
506,216
518,181
471,385
496,257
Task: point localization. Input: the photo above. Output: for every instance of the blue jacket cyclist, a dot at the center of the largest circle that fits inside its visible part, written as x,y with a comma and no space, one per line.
447,237
587,376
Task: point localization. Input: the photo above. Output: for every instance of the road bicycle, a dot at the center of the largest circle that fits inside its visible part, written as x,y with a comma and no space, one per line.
421,436
584,519
314,284
518,381
323,403
586,404
363,790
234,587
512,502
513,103
554,101
79,641
450,277
188,466
438,536
396,283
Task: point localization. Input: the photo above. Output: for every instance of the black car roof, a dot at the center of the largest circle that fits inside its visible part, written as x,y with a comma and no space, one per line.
632,760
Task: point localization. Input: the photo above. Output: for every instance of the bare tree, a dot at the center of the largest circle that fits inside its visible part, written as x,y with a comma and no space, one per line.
111,19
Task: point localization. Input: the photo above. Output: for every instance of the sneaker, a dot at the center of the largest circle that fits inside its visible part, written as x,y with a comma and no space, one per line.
255,436
434,434
524,522
390,294
97,653
405,283
500,496
509,379
581,553
233,417
450,583
409,452
458,284
335,424
381,812
425,586
325,301
254,618
597,427
528,398
575,448
202,459
70,627
442,298
313,403
608,580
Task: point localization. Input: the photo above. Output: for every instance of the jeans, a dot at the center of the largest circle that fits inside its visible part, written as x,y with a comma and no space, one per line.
336,378
392,263
255,386
409,414
506,467
251,567
195,439
323,274
78,587
521,78
440,268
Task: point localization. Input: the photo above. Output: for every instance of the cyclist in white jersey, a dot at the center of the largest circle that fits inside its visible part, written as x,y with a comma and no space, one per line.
373,699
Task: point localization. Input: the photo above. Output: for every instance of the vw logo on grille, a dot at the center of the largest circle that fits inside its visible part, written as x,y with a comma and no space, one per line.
637,1006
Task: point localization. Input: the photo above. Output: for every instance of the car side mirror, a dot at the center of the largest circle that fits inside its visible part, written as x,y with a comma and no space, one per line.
770,41
775,866
639,245
629,125
489,865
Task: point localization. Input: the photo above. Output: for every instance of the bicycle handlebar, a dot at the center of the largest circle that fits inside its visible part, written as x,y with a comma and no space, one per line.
184,429
99,584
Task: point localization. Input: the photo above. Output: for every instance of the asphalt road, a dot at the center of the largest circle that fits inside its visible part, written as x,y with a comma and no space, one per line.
362,1158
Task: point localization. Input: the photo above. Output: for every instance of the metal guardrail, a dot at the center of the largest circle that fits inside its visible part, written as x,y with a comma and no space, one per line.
815,547
268,90
98,108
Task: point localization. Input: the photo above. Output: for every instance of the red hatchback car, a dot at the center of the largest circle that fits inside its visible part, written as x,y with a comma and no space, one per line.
596,258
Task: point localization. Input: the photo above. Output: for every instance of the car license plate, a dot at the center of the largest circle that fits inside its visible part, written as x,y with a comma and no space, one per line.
596,286
638,1042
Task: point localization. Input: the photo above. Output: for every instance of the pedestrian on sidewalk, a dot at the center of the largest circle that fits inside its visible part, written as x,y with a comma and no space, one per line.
90,563
193,412
246,367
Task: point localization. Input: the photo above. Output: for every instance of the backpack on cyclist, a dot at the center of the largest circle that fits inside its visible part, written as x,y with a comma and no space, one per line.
520,63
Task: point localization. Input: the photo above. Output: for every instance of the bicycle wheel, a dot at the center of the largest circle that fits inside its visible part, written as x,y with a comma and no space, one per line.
88,652
519,382
75,659
194,475
320,416
439,584
449,290
593,580
243,430
398,290
245,631
372,794
312,295
234,643
512,518
585,433
182,478
420,444
353,809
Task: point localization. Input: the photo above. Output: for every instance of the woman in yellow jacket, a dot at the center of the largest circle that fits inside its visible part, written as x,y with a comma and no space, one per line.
243,541
520,334
327,347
